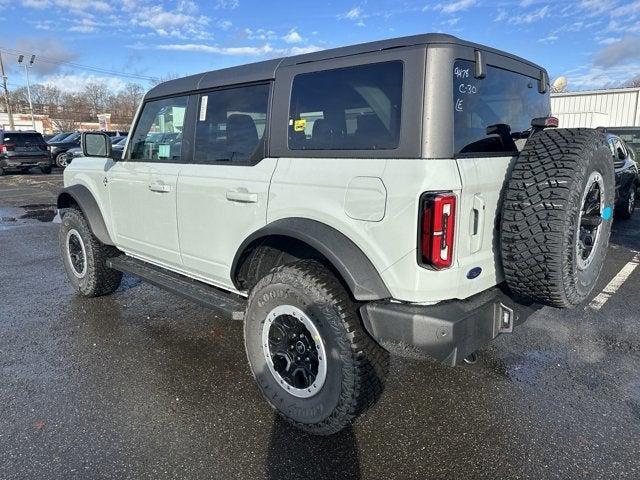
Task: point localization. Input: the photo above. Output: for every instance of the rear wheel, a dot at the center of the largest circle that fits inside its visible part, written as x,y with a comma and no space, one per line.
628,205
556,216
308,351
84,257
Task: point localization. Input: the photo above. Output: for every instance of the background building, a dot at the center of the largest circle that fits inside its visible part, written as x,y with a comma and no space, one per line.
597,108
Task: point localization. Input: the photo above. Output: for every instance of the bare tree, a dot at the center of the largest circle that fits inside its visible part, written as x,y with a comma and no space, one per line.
124,104
165,78
634,82
96,95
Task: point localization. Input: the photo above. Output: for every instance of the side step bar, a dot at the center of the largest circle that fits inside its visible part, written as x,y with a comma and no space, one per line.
199,292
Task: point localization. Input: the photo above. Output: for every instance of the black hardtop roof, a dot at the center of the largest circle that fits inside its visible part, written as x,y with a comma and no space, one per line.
266,70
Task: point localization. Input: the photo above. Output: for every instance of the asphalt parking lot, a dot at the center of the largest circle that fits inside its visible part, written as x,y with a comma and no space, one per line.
142,384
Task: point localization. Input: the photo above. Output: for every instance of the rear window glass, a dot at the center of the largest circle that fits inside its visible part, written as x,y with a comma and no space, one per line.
503,98
355,108
22,139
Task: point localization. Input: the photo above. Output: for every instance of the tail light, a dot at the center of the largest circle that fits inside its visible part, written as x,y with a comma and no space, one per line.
437,228
7,147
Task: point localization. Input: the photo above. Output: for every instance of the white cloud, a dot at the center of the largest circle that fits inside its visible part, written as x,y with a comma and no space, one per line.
454,7
627,10
173,23
198,47
621,52
597,7
260,34
84,25
227,4
354,14
76,82
548,39
225,24
265,50
40,4
46,48
523,18
292,37
608,40
590,77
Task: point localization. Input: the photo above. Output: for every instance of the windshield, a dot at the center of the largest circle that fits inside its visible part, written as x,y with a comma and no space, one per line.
504,100
631,137
72,138
58,137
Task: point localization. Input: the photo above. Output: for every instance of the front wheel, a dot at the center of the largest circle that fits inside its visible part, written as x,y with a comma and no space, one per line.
61,160
308,351
84,257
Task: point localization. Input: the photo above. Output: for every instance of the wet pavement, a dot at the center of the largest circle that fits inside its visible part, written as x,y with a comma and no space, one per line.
142,384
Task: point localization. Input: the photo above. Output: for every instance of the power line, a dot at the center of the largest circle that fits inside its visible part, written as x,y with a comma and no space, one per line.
103,71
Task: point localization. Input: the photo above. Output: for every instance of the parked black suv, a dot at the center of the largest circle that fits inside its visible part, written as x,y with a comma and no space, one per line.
627,178
23,150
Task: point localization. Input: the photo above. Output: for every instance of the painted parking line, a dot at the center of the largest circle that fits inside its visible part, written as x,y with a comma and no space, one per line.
613,286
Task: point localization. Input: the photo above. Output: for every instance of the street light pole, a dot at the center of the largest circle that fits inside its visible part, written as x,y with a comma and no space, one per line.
26,71
6,95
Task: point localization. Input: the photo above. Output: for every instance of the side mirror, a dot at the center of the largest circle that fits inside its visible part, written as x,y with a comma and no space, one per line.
96,144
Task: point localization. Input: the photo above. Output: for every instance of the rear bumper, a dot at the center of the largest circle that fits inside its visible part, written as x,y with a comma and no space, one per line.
448,331
26,161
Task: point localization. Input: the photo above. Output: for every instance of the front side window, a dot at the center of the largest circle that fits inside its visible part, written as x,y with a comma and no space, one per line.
158,135
492,113
231,124
355,108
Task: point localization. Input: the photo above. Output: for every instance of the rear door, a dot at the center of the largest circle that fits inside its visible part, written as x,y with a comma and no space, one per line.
489,113
143,186
222,194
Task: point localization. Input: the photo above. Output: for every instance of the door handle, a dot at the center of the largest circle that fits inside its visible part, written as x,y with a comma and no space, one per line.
160,187
477,223
242,197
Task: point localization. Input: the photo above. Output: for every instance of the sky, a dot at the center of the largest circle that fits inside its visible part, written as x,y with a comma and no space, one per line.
594,43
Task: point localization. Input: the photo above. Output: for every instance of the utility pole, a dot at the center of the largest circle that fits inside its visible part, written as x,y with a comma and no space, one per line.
26,71
6,95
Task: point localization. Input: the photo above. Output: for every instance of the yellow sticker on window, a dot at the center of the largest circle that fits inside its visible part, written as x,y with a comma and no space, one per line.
299,125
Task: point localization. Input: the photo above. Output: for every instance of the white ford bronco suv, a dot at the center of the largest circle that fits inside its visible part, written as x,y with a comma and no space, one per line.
407,196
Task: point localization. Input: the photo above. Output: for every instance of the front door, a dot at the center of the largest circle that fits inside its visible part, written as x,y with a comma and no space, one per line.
143,185
222,195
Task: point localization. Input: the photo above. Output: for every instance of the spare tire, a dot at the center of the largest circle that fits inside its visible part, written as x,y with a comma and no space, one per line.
556,216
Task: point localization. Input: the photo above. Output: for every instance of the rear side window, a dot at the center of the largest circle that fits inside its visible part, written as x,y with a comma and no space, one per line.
231,124
23,139
504,100
158,134
355,108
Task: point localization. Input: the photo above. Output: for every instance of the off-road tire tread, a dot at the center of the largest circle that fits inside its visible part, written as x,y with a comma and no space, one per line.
364,381
101,280
539,211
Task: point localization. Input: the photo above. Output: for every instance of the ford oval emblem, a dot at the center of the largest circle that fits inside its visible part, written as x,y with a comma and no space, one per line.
474,273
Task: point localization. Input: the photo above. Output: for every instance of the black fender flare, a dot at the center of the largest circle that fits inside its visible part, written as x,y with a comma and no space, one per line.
82,196
347,258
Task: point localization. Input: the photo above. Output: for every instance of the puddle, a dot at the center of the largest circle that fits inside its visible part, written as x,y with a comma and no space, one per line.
13,216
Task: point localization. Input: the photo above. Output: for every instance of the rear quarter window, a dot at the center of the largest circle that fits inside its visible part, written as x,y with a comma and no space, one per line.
354,108
501,98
